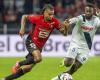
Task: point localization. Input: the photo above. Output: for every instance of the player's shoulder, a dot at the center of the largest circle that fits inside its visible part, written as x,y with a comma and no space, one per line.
55,19
39,16
80,17
96,18
36,16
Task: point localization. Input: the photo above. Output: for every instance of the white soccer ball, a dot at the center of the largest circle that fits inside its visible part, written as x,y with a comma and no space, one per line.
65,76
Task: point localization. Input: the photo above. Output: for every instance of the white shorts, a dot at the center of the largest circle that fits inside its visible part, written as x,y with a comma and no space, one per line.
80,54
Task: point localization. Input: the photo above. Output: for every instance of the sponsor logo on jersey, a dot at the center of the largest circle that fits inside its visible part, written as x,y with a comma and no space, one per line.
86,28
43,33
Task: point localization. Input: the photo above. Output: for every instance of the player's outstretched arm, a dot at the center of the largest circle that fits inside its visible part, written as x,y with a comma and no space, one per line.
65,27
23,22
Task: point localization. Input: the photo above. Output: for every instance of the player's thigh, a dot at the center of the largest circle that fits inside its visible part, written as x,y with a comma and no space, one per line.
31,46
70,55
72,52
33,49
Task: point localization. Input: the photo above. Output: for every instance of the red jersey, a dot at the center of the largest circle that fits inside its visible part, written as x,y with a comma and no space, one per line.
42,29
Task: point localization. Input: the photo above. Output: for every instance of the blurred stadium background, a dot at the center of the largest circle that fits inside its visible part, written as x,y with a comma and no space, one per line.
12,46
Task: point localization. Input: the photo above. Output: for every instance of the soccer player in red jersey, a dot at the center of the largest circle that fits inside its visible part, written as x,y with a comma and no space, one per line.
38,35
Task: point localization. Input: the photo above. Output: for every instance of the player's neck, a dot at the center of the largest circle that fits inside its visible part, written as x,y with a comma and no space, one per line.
88,17
46,20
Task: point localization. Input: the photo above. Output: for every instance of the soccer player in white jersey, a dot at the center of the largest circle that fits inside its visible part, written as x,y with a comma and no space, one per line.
82,37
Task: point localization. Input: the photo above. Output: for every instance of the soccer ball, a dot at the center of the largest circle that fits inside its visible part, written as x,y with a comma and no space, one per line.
65,76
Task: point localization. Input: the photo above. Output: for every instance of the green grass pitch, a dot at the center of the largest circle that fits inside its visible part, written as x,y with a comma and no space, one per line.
49,68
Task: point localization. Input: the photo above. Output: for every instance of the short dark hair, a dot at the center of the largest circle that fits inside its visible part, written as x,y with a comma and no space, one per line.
47,6
89,5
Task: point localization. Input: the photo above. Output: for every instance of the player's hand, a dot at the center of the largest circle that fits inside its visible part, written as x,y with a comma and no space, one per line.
21,32
66,23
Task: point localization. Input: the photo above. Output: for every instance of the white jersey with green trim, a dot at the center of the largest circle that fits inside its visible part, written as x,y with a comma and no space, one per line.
84,30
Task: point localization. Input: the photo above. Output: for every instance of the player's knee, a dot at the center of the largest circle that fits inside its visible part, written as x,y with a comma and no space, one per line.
37,59
27,68
37,56
68,62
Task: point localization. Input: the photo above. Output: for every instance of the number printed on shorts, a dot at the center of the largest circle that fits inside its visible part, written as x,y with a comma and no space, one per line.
74,50
32,45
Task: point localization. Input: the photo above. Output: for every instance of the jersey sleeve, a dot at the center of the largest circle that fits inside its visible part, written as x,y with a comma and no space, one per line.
75,19
32,18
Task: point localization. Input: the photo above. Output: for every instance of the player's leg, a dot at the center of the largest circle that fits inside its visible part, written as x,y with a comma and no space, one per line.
20,72
28,65
82,56
67,74
29,60
33,57
16,75
80,59
68,60
73,63
70,56
75,66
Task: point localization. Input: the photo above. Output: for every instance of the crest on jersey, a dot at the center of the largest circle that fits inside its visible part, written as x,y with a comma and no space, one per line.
52,24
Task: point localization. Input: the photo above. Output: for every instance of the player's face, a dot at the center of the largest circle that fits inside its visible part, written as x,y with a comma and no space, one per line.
48,14
89,12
